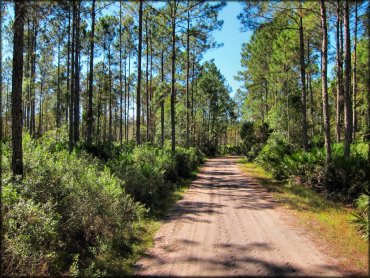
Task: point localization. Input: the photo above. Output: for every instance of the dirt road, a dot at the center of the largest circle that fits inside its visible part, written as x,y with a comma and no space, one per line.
227,225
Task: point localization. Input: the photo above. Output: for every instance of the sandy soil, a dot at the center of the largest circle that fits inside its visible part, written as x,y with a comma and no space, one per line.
228,225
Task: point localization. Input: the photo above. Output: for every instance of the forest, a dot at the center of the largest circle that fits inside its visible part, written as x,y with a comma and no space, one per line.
108,108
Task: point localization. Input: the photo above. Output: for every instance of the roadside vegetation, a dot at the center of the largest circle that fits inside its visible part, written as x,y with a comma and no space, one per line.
305,108
80,214
325,220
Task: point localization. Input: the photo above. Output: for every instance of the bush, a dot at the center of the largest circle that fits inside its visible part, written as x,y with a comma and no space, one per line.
361,215
30,235
254,138
66,207
151,173
344,178
70,211
186,161
272,154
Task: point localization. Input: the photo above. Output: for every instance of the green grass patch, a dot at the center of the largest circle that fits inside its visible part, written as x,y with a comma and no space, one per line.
324,219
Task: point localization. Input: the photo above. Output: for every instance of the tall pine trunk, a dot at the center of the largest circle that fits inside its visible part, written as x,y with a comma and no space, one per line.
354,113
347,84
17,77
120,76
72,90
339,96
303,81
173,81
58,113
32,83
110,135
68,63
90,120
147,79
139,73
76,105
324,88
162,97
128,100
187,79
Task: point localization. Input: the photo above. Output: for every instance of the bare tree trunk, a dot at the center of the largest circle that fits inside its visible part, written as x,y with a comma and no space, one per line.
138,141
90,120
98,116
110,97
187,79
58,90
173,81
40,103
162,98
32,85
354,113
71,96
125,97
17,76
68,62
128,99
347,84
339,98
147,79
120,76
76,116
309,88
28,74
303,81
151,122
192,102
105,122
324,61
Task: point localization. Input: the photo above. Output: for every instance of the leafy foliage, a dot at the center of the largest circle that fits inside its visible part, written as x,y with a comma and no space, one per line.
361,215
151,173
254,137
70,209
344,178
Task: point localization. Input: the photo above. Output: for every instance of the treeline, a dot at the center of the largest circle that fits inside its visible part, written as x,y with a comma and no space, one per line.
112,72
306,89
286,70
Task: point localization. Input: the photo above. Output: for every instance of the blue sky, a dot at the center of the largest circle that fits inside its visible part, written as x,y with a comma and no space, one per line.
227,57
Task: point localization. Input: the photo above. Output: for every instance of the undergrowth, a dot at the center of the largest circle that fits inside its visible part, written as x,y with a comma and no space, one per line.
88,213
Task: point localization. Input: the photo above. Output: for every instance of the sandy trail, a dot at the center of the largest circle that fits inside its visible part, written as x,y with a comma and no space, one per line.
227,225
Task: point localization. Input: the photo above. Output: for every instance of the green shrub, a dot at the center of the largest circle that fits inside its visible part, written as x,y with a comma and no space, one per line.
151,173
71,210
79,208
272,155
361,215
345,178
30,235
254,137
186,161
